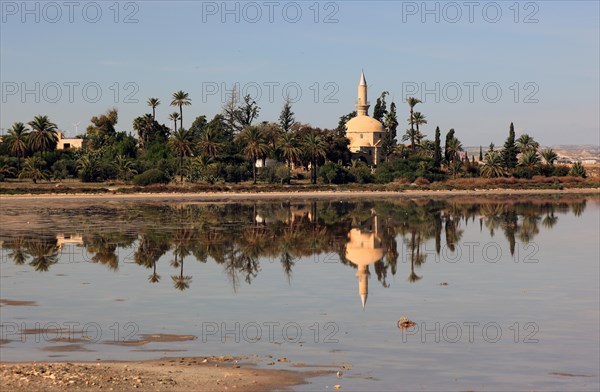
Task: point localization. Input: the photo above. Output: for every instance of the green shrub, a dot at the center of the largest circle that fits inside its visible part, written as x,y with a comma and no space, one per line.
282,173
332,173
266,174
235,173
151,176
472,171
361,172
60,170
560,171
410,168
94,169
525,172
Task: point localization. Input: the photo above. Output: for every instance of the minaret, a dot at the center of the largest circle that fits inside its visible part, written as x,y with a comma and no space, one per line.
362,105
363,283
365,247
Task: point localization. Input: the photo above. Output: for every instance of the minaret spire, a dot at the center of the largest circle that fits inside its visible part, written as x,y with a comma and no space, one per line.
362,105
363,283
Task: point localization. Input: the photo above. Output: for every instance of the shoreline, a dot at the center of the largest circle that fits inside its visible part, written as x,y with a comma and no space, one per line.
165,374
344,194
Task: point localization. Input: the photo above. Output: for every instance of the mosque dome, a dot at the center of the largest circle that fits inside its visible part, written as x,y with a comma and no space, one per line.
363,248
363,124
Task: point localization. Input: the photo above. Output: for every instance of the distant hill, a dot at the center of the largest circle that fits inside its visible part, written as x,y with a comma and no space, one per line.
575,152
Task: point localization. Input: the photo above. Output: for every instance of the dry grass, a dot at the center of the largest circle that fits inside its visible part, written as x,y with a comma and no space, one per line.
421,181
592,170
483,182
77,187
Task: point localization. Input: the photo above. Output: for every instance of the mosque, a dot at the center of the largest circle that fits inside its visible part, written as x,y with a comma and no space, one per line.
365,133
365,247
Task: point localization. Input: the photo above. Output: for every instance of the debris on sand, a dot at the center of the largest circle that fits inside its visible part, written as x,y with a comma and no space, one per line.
404,323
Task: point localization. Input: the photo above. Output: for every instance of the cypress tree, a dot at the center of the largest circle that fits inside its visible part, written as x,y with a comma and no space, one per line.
286,118
449,137
437,154
380,109
393,113
480,154
509,153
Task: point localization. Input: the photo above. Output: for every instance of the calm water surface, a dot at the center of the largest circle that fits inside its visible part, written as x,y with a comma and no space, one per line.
504,293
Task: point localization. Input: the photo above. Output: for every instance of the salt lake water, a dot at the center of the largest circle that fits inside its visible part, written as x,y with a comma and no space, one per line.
504,292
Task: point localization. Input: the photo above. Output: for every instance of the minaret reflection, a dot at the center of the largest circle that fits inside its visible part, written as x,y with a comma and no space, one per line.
365,247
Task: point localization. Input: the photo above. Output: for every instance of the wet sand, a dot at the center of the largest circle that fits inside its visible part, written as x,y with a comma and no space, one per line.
12,302
167,374
241,196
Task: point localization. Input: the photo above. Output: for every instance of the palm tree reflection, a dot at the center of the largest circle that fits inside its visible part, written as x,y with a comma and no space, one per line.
44,253
239,237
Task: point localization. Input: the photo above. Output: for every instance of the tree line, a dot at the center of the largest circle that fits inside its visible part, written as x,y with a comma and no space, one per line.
234,146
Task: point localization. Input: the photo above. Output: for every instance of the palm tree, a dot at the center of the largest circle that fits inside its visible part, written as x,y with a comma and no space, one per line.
153,103
44,134
181,282
181,143
493,165
529,159
34,169
414,136
125,167
174,117
314,147
549,221
17,140
154,277
7,169
400,150
145,128
412,102
454,167
549,156
181,99
255,146
200,167
419,119
526,143
577,170
414,259
18,252
288,147
44,255
87,166
208,144
453,147
390,122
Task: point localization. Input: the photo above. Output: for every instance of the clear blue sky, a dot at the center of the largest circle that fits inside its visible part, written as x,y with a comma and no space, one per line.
187,45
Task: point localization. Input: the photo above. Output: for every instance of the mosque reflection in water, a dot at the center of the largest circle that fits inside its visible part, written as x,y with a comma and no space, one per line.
361,235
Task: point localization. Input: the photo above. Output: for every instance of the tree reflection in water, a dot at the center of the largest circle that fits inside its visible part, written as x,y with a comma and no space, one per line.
240,236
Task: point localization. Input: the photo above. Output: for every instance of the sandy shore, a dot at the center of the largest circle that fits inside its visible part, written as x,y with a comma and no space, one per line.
241,196
168,374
